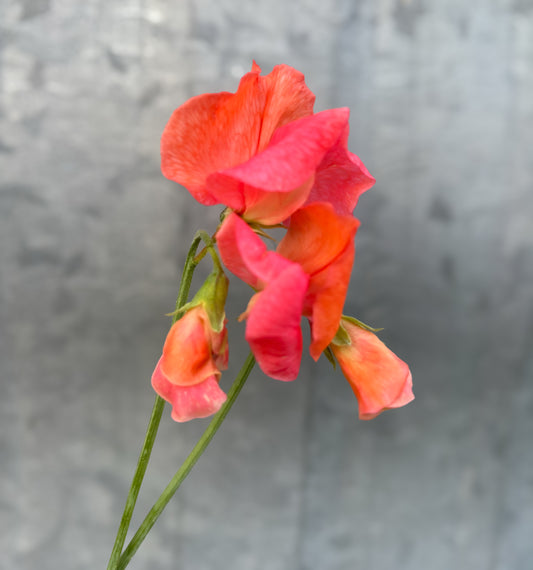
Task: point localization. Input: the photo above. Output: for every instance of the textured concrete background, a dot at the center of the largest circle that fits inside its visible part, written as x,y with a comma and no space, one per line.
92,239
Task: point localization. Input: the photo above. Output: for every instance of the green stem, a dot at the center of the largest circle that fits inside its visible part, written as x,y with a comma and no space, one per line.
157,411
187,465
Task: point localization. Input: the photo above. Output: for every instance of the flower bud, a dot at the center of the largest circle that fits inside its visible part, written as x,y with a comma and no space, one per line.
379,379
194,353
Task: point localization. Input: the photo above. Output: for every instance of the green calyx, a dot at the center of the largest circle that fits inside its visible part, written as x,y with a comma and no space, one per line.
212,295
342,338
360,324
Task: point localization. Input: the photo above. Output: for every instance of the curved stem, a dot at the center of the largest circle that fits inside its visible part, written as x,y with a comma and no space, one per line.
187,465
155,418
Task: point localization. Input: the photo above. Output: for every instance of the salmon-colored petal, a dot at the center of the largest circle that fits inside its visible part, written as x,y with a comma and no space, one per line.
287,99
322,242
325,299
187,355
379,379
316,236
217,131
273,326
189,402
211,132
271,208
341,178
245,255
288,164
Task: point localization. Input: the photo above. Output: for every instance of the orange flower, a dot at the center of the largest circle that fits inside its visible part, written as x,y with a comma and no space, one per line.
379,379
261,151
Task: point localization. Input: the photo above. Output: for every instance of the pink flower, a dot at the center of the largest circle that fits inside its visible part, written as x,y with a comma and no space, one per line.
379,379
188,371
273,326
308,275
194,353
261,151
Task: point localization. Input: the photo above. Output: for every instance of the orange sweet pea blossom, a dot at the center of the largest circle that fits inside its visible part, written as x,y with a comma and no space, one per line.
307,275
261,151
378,378
194,353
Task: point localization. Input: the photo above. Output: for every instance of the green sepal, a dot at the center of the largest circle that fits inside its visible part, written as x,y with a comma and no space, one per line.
328,353
224,214
360,324
341,338
212,295
259,229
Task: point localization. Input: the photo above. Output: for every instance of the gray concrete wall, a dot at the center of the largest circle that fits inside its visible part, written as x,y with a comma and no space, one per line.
92,239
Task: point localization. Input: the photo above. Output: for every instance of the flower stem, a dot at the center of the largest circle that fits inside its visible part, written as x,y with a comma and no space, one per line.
187,465
157,411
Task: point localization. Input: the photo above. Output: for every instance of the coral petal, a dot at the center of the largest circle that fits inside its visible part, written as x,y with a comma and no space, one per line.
341,178
379,379
287,99
326,295
218,131
187,354
245,255
316,236
189,402
321,241
273,326
286,166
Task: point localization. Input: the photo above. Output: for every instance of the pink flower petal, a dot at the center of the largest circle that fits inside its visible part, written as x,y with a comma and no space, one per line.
273,327
273,184
246,256
341,178
217,131
189,402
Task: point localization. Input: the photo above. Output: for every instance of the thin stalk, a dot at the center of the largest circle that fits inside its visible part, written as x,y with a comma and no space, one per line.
187,465
155,418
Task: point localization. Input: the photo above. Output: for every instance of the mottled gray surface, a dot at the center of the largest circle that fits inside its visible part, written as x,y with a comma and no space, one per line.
92,239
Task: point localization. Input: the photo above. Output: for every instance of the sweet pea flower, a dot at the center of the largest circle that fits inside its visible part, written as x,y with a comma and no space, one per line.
307,275
194,353
261,151
378,378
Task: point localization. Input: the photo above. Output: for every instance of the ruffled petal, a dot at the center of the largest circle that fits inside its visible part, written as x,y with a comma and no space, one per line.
287,99
273,325
189,402
273,184
245,255
325,299
217,131
379,379
322,242
187,354
341,178
317,235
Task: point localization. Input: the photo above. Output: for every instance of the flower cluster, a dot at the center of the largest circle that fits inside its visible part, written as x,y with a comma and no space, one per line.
271,161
